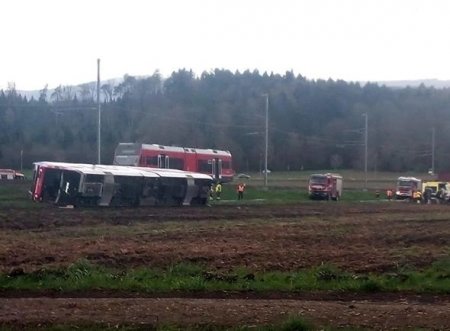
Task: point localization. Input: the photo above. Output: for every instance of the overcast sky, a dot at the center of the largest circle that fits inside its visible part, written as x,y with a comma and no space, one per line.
58,41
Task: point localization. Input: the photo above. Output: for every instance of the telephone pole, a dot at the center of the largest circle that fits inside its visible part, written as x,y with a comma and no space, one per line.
99,114
433,143
366,138
266,136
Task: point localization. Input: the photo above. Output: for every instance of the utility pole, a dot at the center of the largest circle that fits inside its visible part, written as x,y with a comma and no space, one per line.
266,149
366,138
433,133
99,114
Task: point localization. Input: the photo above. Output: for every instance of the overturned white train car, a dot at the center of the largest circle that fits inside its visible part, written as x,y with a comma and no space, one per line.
78,184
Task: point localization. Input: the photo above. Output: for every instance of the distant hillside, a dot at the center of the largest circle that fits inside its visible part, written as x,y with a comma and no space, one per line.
76,89
436,83
313,124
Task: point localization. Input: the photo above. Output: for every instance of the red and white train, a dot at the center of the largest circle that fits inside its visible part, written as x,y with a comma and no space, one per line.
215,163
78,184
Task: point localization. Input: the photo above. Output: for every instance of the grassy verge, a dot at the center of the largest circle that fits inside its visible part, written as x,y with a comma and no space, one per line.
276,195
190,277
15,193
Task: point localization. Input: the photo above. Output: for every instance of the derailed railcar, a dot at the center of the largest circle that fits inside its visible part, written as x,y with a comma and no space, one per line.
106,185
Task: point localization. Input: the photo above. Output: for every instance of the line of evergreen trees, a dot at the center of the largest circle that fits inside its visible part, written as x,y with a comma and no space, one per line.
313,124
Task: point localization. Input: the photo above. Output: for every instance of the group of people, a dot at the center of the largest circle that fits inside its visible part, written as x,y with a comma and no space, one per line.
439,197
215,191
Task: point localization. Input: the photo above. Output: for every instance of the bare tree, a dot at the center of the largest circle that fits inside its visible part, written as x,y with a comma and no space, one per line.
108,91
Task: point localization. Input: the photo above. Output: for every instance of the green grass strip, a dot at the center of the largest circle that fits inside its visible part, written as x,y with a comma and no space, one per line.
191,277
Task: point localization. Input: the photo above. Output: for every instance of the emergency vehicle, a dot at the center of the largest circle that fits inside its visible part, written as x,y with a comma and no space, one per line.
406,186
79,184
325,186
10,174
436,189
216,163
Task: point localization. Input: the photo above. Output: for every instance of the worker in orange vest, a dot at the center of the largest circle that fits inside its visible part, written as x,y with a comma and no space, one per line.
240,191
389,194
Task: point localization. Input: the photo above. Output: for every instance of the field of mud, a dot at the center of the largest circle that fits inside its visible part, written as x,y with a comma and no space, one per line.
378,237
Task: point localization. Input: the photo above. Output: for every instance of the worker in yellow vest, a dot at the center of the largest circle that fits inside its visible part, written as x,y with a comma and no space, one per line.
417,196
218,190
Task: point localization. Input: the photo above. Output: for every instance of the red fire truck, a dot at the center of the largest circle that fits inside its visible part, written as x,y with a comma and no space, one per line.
325,186
215,163
406,186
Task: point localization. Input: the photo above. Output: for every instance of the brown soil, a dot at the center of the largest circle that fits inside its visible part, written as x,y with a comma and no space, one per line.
372,237
223,312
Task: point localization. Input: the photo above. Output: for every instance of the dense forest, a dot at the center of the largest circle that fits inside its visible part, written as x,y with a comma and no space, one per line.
313,124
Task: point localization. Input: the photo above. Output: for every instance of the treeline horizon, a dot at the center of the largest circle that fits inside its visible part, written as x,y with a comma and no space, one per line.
313,124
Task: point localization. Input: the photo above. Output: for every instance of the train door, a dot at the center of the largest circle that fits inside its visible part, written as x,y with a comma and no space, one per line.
163,161
108,189
217,169
166,162
191,191
333,187
69,187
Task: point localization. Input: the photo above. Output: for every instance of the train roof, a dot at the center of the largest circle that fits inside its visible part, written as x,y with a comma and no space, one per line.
8,171
212,151
102,169
409,178
174,173
157,147
328,174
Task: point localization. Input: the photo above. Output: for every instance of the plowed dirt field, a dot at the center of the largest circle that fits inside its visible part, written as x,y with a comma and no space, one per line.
357,237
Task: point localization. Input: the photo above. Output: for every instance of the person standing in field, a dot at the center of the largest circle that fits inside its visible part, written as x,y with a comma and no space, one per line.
218,190
442,195
427,195
212,190
417,196
389,194
240,191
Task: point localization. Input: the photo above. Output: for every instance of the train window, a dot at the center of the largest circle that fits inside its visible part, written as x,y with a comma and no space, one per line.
176,164
226,165
127,149
152,161
94,178
52,181
204,166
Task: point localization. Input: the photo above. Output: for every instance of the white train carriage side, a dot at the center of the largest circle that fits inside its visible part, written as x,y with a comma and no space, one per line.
107,185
